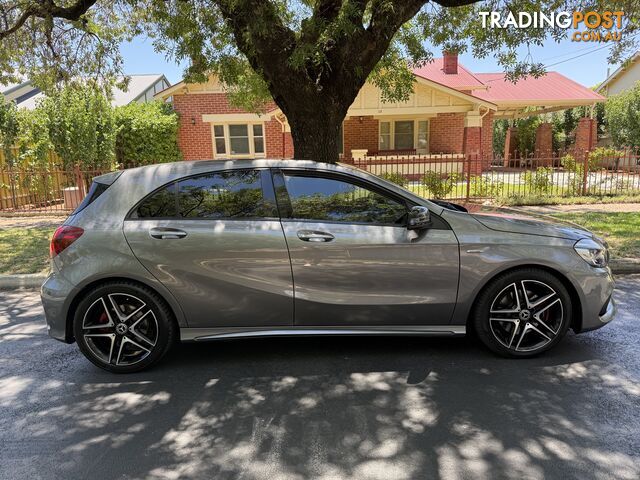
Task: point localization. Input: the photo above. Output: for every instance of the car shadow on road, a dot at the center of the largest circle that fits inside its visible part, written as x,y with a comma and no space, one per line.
300,408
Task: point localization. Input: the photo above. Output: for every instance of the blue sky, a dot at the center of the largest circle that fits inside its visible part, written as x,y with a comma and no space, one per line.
589,69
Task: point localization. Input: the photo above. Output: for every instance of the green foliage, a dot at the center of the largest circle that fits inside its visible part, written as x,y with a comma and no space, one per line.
395,177
575,183
9,128
33,141
604,157
622,114
485,187
500,127
526,133
81,127
540,181
146,133
438,185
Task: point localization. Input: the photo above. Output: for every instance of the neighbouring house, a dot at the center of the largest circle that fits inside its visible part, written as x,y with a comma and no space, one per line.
142,88
623,78
448,117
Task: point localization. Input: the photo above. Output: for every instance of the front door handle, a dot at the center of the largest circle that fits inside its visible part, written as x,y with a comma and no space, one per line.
164,233
314,236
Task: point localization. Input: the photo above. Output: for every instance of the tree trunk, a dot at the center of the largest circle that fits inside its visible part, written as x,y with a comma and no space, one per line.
315,137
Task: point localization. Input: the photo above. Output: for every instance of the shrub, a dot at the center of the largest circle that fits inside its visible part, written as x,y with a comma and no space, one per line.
485,187
147,133
395,177
539,181
440,186
575,181
603,157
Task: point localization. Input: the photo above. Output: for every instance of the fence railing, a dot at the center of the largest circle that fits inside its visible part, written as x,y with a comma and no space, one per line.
51,189
44,189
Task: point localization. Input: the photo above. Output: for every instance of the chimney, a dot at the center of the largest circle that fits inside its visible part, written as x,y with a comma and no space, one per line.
450,63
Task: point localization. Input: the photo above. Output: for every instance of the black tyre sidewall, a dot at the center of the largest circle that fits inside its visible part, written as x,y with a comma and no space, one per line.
488,294
166,328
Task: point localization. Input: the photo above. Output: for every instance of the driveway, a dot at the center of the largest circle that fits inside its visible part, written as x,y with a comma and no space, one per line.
368,408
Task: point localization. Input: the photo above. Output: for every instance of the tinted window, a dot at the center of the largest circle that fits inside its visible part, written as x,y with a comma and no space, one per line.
236,194
317,198
233,194
95,190
161,204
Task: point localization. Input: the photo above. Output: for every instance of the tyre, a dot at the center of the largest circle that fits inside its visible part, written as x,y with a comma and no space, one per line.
123,327
522,313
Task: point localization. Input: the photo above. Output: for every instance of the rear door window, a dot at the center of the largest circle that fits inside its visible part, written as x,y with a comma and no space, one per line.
234,194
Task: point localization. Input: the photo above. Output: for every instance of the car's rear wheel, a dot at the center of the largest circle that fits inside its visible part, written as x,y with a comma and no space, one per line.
123,327
522,313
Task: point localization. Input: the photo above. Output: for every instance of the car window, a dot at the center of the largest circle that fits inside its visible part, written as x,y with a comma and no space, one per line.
331,199
232,194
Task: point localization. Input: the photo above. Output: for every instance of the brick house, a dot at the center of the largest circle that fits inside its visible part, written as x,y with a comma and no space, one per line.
449,116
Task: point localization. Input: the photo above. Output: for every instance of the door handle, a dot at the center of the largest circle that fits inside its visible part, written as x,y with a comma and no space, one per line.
314,236
163,233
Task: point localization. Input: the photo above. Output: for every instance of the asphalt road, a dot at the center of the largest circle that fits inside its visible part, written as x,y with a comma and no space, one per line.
368,408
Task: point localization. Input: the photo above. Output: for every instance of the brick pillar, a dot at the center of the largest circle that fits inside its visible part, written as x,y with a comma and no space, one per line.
544,144
586,137
510,143
472,144
360,133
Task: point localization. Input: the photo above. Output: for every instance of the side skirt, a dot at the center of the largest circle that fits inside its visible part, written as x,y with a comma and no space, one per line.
220,333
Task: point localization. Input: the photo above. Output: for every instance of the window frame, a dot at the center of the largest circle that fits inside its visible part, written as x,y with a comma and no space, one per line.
285,205
266,184
392,132
227,140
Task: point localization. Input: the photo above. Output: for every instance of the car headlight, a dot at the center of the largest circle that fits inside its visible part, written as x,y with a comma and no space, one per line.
593,252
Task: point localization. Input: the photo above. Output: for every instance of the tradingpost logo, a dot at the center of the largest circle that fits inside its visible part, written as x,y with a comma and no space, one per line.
588,26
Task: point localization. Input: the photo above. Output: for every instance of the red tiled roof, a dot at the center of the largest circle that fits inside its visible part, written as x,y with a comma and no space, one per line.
551,86
433,71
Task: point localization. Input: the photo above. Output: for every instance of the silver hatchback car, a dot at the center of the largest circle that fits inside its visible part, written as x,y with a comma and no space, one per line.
209,250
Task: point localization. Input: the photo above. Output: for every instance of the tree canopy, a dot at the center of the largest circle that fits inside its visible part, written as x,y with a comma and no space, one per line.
310,57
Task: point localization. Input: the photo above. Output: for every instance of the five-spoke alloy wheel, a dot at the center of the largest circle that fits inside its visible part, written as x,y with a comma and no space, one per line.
523,313
123,327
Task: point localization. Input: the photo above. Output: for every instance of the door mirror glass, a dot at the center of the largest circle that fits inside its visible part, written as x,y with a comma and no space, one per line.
419,218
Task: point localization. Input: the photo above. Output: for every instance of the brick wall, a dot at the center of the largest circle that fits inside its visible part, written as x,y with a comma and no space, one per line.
586,136
446,133
487,135
360,134
194,135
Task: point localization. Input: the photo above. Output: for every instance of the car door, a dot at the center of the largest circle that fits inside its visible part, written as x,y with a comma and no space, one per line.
355,263
216,242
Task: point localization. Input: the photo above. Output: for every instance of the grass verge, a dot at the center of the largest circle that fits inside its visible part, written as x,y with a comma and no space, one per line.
620,229
24,250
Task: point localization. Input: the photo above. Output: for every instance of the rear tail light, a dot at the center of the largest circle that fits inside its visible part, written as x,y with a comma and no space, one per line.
63,237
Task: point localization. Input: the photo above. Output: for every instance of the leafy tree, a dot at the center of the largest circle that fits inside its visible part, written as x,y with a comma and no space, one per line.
34,145
622,113
8,128
310,56
81,127
500,127
526,133
147,133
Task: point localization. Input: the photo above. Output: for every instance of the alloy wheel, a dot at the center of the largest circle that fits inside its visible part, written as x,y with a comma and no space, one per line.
526,315
120,329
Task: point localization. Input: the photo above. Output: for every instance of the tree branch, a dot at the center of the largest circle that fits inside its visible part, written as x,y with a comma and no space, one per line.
49,9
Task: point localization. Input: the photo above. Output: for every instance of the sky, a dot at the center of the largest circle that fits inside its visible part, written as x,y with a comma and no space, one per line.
589,68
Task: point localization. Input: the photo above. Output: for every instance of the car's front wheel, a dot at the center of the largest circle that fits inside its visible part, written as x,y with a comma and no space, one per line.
523,313
123,327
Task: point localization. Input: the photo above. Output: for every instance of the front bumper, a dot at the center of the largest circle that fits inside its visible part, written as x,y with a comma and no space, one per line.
598,305
55,292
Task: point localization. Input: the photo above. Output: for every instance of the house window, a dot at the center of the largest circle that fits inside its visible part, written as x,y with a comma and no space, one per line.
385,136
218,132
404,135
241,140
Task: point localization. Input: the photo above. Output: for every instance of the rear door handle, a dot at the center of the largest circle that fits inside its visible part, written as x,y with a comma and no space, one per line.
164,233
314,236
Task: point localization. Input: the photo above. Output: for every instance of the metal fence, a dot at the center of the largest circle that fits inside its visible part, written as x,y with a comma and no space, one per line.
52,189
43,189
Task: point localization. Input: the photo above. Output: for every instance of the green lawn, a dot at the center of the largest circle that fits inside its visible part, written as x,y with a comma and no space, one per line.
620,229
24,250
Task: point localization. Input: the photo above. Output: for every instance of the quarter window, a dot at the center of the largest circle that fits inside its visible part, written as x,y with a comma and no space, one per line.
329,199
233,194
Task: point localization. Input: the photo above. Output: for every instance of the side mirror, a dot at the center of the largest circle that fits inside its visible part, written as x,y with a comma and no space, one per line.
419,218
